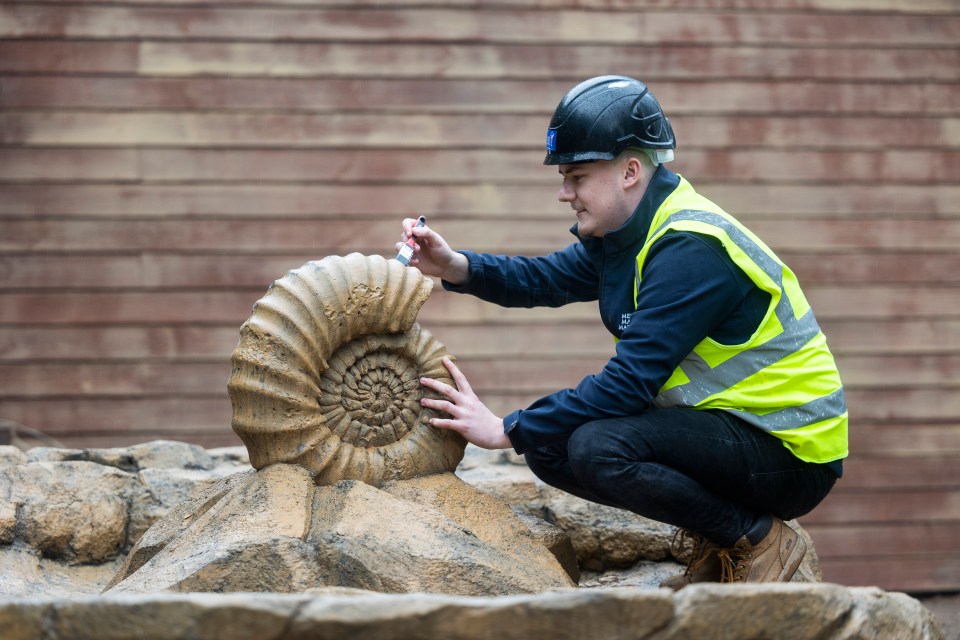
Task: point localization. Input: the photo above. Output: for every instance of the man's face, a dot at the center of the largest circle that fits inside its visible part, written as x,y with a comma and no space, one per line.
595,190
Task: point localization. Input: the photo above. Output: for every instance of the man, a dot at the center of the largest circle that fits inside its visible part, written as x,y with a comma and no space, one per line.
722,411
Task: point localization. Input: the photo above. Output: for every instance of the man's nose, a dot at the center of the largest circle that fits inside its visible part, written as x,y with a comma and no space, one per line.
565,194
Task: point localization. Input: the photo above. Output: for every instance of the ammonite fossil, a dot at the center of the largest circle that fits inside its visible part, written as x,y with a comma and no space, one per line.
327,374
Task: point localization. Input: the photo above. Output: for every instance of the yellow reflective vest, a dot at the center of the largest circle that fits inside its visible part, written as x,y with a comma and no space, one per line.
783,379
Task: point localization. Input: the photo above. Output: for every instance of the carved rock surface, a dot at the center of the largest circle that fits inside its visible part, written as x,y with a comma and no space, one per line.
67,516
274,530
326,374
44,598
719,612
73,511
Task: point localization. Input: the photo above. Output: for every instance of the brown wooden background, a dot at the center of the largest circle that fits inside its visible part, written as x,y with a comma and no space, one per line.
162,161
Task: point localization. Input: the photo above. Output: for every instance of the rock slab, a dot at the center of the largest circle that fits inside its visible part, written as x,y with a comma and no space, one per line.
274,530
719,612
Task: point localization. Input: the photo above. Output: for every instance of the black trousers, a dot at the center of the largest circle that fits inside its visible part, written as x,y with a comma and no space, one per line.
707,471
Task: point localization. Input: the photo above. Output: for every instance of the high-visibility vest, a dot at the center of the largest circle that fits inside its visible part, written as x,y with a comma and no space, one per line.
783,379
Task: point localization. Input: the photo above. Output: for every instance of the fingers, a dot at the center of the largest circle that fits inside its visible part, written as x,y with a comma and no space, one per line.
411,229
457,375
452,405
440,387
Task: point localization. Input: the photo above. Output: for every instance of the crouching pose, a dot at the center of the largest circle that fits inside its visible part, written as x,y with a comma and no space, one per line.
722,411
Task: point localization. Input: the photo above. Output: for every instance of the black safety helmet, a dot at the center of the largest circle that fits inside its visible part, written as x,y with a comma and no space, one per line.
601,117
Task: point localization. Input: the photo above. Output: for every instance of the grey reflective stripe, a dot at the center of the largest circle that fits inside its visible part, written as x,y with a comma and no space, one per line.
818,410
767,264
706,381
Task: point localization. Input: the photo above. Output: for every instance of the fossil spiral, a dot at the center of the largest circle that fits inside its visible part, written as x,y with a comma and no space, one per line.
327,374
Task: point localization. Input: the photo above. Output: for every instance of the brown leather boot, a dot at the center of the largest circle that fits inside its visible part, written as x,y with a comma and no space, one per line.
773,559
703,566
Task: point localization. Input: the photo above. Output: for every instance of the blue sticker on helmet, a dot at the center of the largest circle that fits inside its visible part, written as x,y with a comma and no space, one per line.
551,139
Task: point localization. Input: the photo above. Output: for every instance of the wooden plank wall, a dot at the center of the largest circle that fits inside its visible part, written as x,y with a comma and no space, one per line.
162,161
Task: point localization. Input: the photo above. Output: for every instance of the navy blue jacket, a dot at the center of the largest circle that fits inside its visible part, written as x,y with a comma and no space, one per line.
690,289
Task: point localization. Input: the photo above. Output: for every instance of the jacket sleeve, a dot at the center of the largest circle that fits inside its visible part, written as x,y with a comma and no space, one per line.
553,280
686,292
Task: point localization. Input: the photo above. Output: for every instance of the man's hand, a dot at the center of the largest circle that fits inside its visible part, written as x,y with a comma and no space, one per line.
432,255
470,417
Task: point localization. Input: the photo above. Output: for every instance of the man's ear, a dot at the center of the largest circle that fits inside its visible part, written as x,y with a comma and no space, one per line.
632,172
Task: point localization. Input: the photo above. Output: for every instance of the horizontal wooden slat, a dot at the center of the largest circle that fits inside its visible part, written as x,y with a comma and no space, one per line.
148,270
584,337
894,439
942,472
904,405
908,370
112,439
566,26
33,343
65,56
802,97
20,344
209,378
171,270
418,166
904,540
529,376
935,574
888,506
234,306
413,60
858,6
68,420
160,270
502,371
485,61
65,165
178,416
892,335
459,202
518,237
108,127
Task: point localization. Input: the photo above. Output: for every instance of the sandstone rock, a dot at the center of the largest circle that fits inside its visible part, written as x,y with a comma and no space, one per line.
54,454
276,531
555,540
158,490
718,612
176,522
10,455
797,611
230,456
76,511
26,573
157,454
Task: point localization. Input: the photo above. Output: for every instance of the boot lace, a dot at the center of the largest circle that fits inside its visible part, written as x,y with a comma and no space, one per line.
698,555
728,566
